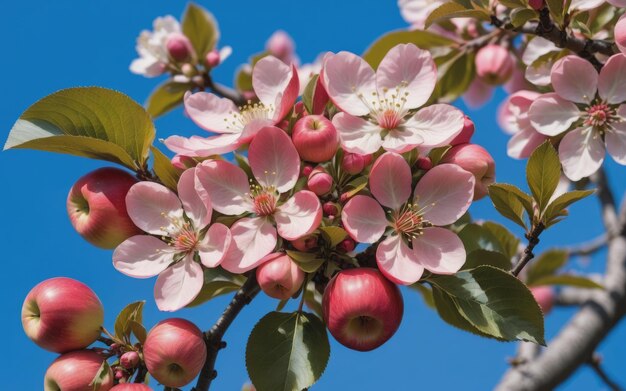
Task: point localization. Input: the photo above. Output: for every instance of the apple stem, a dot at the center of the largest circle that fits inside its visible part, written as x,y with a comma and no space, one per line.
213,337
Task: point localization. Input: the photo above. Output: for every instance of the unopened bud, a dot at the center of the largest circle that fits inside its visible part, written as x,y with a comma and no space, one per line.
353,163
346,245
305,243
212,59
466,134
179,47
129,360
475,159
494,64
330,209
424,163
320,182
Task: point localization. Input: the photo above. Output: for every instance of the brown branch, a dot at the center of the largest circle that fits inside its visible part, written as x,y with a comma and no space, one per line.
588,248
527,255
213,337
595,364
224,91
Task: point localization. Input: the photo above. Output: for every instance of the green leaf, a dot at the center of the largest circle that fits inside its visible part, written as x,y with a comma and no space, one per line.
520,16
556,10
313,299
436,154
333,235
243,80
308,262
545,265
309,92
513,3
494,302
524,198
487,258
138,330
507,203
509,242
164,170
476,237
91,122
132,312
200,27
455,77
542,173
287,352
217,282
422,39
166,97
563,201
448,311
103,373
454,10
567,279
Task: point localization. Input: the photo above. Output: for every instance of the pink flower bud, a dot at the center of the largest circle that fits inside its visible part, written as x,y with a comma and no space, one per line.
535,4
299,109
346,245
343,198
494,64
466,134
475,159
188,70
280,277
129,360
212,59
353,163
330,209
305,243
183,162
307,169
280,45
179,47
424,163
319,182
315,138
620,34
119,374
544,295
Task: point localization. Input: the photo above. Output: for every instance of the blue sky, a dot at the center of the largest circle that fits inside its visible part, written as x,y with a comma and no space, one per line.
53,45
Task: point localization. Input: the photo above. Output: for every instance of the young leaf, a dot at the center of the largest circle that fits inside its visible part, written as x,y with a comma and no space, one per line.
545,265
422,39
494,302
566,279
476,237
542,173
91,122
132,312
454,10
164,170
520,16
563,201
333,235
287,352
166,97
455,77
509,242
138,330
309,92
217,281
103,372
507,203
308,262
200,27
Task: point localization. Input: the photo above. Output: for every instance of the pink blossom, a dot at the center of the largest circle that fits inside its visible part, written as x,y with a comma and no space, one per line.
477,94
416,241
177,239
589,108
265,201
513,119
281,46
151,47
378,106
276,86
415,12
494,64
620,33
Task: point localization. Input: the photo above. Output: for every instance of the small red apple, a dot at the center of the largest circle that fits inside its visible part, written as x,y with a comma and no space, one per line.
74,371
315,138
96,205
62,314
280,277
544,295
362,308
174,352
131,387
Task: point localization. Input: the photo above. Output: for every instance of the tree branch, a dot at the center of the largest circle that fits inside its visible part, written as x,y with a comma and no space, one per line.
588,248
224,91
594,363
213,337
527,255
570,296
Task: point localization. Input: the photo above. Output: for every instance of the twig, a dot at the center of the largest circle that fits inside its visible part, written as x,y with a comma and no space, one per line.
590,247
213,337
224,91
142,371
105,340
594,363
527,255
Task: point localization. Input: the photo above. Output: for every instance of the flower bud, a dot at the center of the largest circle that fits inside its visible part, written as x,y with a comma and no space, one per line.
424,163
319,182
544,295
188,70
466,134
280,45
129,360
620,34
179,47
330,209
346,245
183,162
212,59
315,138
305,243
353,163
307,169
119,374
475,159
280,277
535,4
494,64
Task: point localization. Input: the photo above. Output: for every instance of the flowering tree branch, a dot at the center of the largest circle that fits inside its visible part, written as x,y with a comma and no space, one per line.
527,255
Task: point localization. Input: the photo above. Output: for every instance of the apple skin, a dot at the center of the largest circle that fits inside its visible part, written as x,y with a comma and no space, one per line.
62,314
174,352
74,371
315,138
131,387
96,205
362,309
280,277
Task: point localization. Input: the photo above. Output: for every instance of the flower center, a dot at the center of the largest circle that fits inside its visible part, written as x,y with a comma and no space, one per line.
248,113
182,235
387,108
409,221
389,119
599,116
264,200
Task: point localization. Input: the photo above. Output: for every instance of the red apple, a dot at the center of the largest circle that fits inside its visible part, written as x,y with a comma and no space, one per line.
174,352
75,371
280,277
315,138
362,308
96,205
544,295
131,387
62,314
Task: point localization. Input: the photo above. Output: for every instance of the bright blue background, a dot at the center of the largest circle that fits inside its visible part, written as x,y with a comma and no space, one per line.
48,46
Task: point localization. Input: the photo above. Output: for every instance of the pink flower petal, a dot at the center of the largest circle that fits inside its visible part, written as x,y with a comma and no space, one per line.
617,3
398,262
524,142
252,239
574,79
153,207
390,180
142,256
272,78
253,127
445,193
209,112
274,159
196,146
357,135
581,152
612,82
552,115
349,80
407,72
585,5
439,250
364,219
477,94
615,138
299,215
178,285
226,185
436,124
401,140
214,245
514,110
197,207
